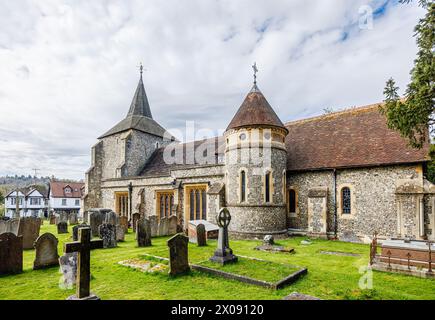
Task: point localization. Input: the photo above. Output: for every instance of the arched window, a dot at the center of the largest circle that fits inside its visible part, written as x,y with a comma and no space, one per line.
292,201
346,200
267,187
242,186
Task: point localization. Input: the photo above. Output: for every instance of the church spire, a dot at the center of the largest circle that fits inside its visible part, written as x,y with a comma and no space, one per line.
139,105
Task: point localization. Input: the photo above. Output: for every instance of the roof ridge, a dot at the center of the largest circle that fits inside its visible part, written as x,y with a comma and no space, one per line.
331,115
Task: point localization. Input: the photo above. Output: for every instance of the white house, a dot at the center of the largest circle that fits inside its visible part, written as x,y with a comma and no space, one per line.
65,196
31,203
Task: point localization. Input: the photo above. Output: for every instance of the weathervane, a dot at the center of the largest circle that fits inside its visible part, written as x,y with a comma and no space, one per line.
254,67
141,69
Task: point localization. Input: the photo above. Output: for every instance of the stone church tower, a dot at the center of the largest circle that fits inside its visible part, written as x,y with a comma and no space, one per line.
255,169
123,150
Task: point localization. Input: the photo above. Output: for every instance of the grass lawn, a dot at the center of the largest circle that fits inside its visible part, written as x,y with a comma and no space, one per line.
329,276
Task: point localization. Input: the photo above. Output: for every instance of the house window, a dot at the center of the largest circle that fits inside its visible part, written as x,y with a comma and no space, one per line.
35,201
292,201
77,202
67,190
267,187
13,201
346,200
242,186
165,203
196,202
64,202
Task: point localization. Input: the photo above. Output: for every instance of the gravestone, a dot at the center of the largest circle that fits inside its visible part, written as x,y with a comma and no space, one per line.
52,219
85,217
172,225
123,222
73,219
120,233
62,217
46,251
111,217
136,217
75,230
62,227
143,232
163,227
268,240
68,267
11,253
201,235
108,235
83,249
178,254
96,218
154,225
10,225
29,228
223,253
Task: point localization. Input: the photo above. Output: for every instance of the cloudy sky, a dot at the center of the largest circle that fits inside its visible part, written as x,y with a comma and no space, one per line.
68,69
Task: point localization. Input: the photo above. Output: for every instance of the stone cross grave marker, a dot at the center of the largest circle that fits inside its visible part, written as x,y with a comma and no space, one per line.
108,235
62,227
178,254
136,217
143,232
29,228
223,253
83,247
75,230
46,251
201,235
11,253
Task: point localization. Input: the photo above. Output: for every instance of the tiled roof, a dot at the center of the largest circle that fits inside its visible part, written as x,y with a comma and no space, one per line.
254,111
356,137
57,189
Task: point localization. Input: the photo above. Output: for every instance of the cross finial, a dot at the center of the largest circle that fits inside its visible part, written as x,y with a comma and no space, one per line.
141,69
254,67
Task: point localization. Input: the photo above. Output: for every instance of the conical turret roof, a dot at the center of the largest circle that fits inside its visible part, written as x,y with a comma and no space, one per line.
139,105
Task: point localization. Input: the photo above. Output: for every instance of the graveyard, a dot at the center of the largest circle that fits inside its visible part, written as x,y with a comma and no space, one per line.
333,272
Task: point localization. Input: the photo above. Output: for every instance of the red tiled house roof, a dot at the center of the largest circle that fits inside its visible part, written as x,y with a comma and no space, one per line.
57,189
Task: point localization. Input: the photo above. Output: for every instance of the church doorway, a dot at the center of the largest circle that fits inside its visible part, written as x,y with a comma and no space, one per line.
195,203
121,203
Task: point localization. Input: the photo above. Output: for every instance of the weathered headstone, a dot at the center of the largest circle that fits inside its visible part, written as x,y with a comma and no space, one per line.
62,227
68,267
11,253
178,254
29,228
172,225
83,248
120,233
85,216
201,235
96,218
268,240
143,232
52,219
123,222
62,217
223,253
73,218
10,225
108,235
46,251
154,225
111,218
75,231
163,227
135,217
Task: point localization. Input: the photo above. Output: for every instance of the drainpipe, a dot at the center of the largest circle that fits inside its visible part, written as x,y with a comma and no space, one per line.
421,217
335,201
130,191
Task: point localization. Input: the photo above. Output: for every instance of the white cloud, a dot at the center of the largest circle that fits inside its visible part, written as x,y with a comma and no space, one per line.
69,68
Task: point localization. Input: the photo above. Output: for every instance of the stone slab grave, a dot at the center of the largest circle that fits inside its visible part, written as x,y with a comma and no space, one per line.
108,235
10,225
339,253
145,265
269,245
178,254
143,232
46,251
299,296
11,253
62,227
211,230
75,231
29,228
83,249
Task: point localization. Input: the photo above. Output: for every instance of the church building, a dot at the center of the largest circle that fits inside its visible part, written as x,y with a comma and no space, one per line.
342,175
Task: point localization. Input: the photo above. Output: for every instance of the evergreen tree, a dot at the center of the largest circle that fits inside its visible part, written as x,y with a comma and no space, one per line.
413,115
